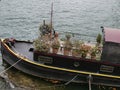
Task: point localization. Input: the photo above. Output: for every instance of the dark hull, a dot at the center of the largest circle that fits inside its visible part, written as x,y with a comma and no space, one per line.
63,73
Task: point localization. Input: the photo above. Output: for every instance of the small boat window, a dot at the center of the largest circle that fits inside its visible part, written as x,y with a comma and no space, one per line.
105,68
76,64
31,49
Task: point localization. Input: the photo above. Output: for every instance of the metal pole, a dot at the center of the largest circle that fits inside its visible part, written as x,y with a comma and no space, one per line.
89,81
51,21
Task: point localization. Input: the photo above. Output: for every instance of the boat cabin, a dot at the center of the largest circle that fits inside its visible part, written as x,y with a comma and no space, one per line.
111,45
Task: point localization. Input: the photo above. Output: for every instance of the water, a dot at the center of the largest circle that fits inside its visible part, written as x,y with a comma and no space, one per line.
20,19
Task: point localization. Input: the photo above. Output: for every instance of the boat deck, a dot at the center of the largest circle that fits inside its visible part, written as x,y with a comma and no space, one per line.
23,48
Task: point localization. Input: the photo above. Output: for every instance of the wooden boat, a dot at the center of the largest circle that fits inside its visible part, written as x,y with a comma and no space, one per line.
61,67
38,59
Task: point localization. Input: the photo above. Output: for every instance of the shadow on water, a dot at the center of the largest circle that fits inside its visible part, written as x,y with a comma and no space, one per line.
17,80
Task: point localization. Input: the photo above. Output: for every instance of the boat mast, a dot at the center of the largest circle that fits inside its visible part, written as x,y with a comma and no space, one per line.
51,21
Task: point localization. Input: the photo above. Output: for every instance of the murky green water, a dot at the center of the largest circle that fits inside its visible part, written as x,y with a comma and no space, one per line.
23,81
21,18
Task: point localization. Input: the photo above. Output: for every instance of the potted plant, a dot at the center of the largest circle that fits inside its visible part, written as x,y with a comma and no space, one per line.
76,48
93,52
99,39
83,54
55,46
41,46
76,52
67,45
85,50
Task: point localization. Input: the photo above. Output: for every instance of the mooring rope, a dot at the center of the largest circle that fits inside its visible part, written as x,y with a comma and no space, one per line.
71,79
9,67
61,85
6,79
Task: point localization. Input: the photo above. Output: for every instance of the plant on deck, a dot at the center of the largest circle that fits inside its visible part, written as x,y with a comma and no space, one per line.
41,44
76,51
85,50
99,39
55,46
67,45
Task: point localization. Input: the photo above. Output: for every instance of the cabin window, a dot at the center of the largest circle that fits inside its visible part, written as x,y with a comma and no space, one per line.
44,59
105,68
